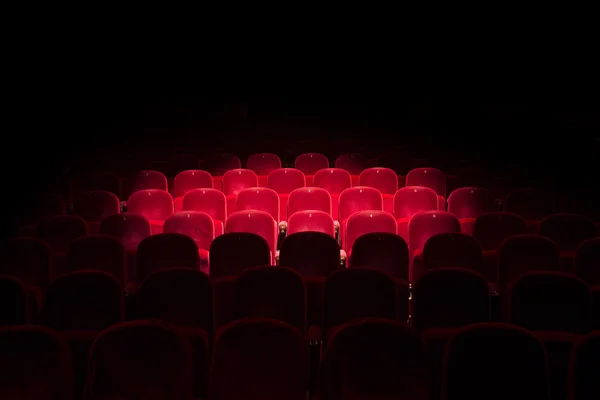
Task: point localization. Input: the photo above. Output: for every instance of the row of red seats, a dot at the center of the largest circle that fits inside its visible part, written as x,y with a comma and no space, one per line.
443,299
370,358
372,239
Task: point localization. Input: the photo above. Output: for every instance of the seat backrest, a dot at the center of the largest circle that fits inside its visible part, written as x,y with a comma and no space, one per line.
236,180
383,179
410,200
154,204
285,180
146,359
374,358
210,201
309,198
254,221
362,222
310,253
267,360
234,252
263,163
334,180
148,179
220,163
429,177
521,254
310,163
197,225
385,251
259,198
470,202
359,198
60,231
310,221
191,179
425,224
164,251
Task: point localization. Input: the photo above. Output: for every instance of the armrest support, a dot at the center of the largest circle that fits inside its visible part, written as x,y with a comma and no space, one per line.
314,335
343,258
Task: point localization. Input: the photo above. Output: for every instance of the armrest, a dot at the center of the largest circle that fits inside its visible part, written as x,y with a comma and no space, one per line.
282,227
277,257
336,226
314,335
123,206
343,258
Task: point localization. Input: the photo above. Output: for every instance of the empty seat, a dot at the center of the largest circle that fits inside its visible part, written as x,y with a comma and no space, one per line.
358,198
233,252
94,206
197,225
308,198
273,292
267,360
355,293
60,231
451,250
374,359
263,164
449,298
567,230
585,367
257,222
531,204
311,220
35,364
155,205
383,179
508,359
209,201
310,163
551,301
191,179
129,228
27,259
284,181
181,296
410,200
101,253
426,224
234,181
385,251
432,178
335,181
140,359
145,180
362,222
468,203
261,199
490,229
587,261
310,253
14,303
521,254
220,163
83,300
164,251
